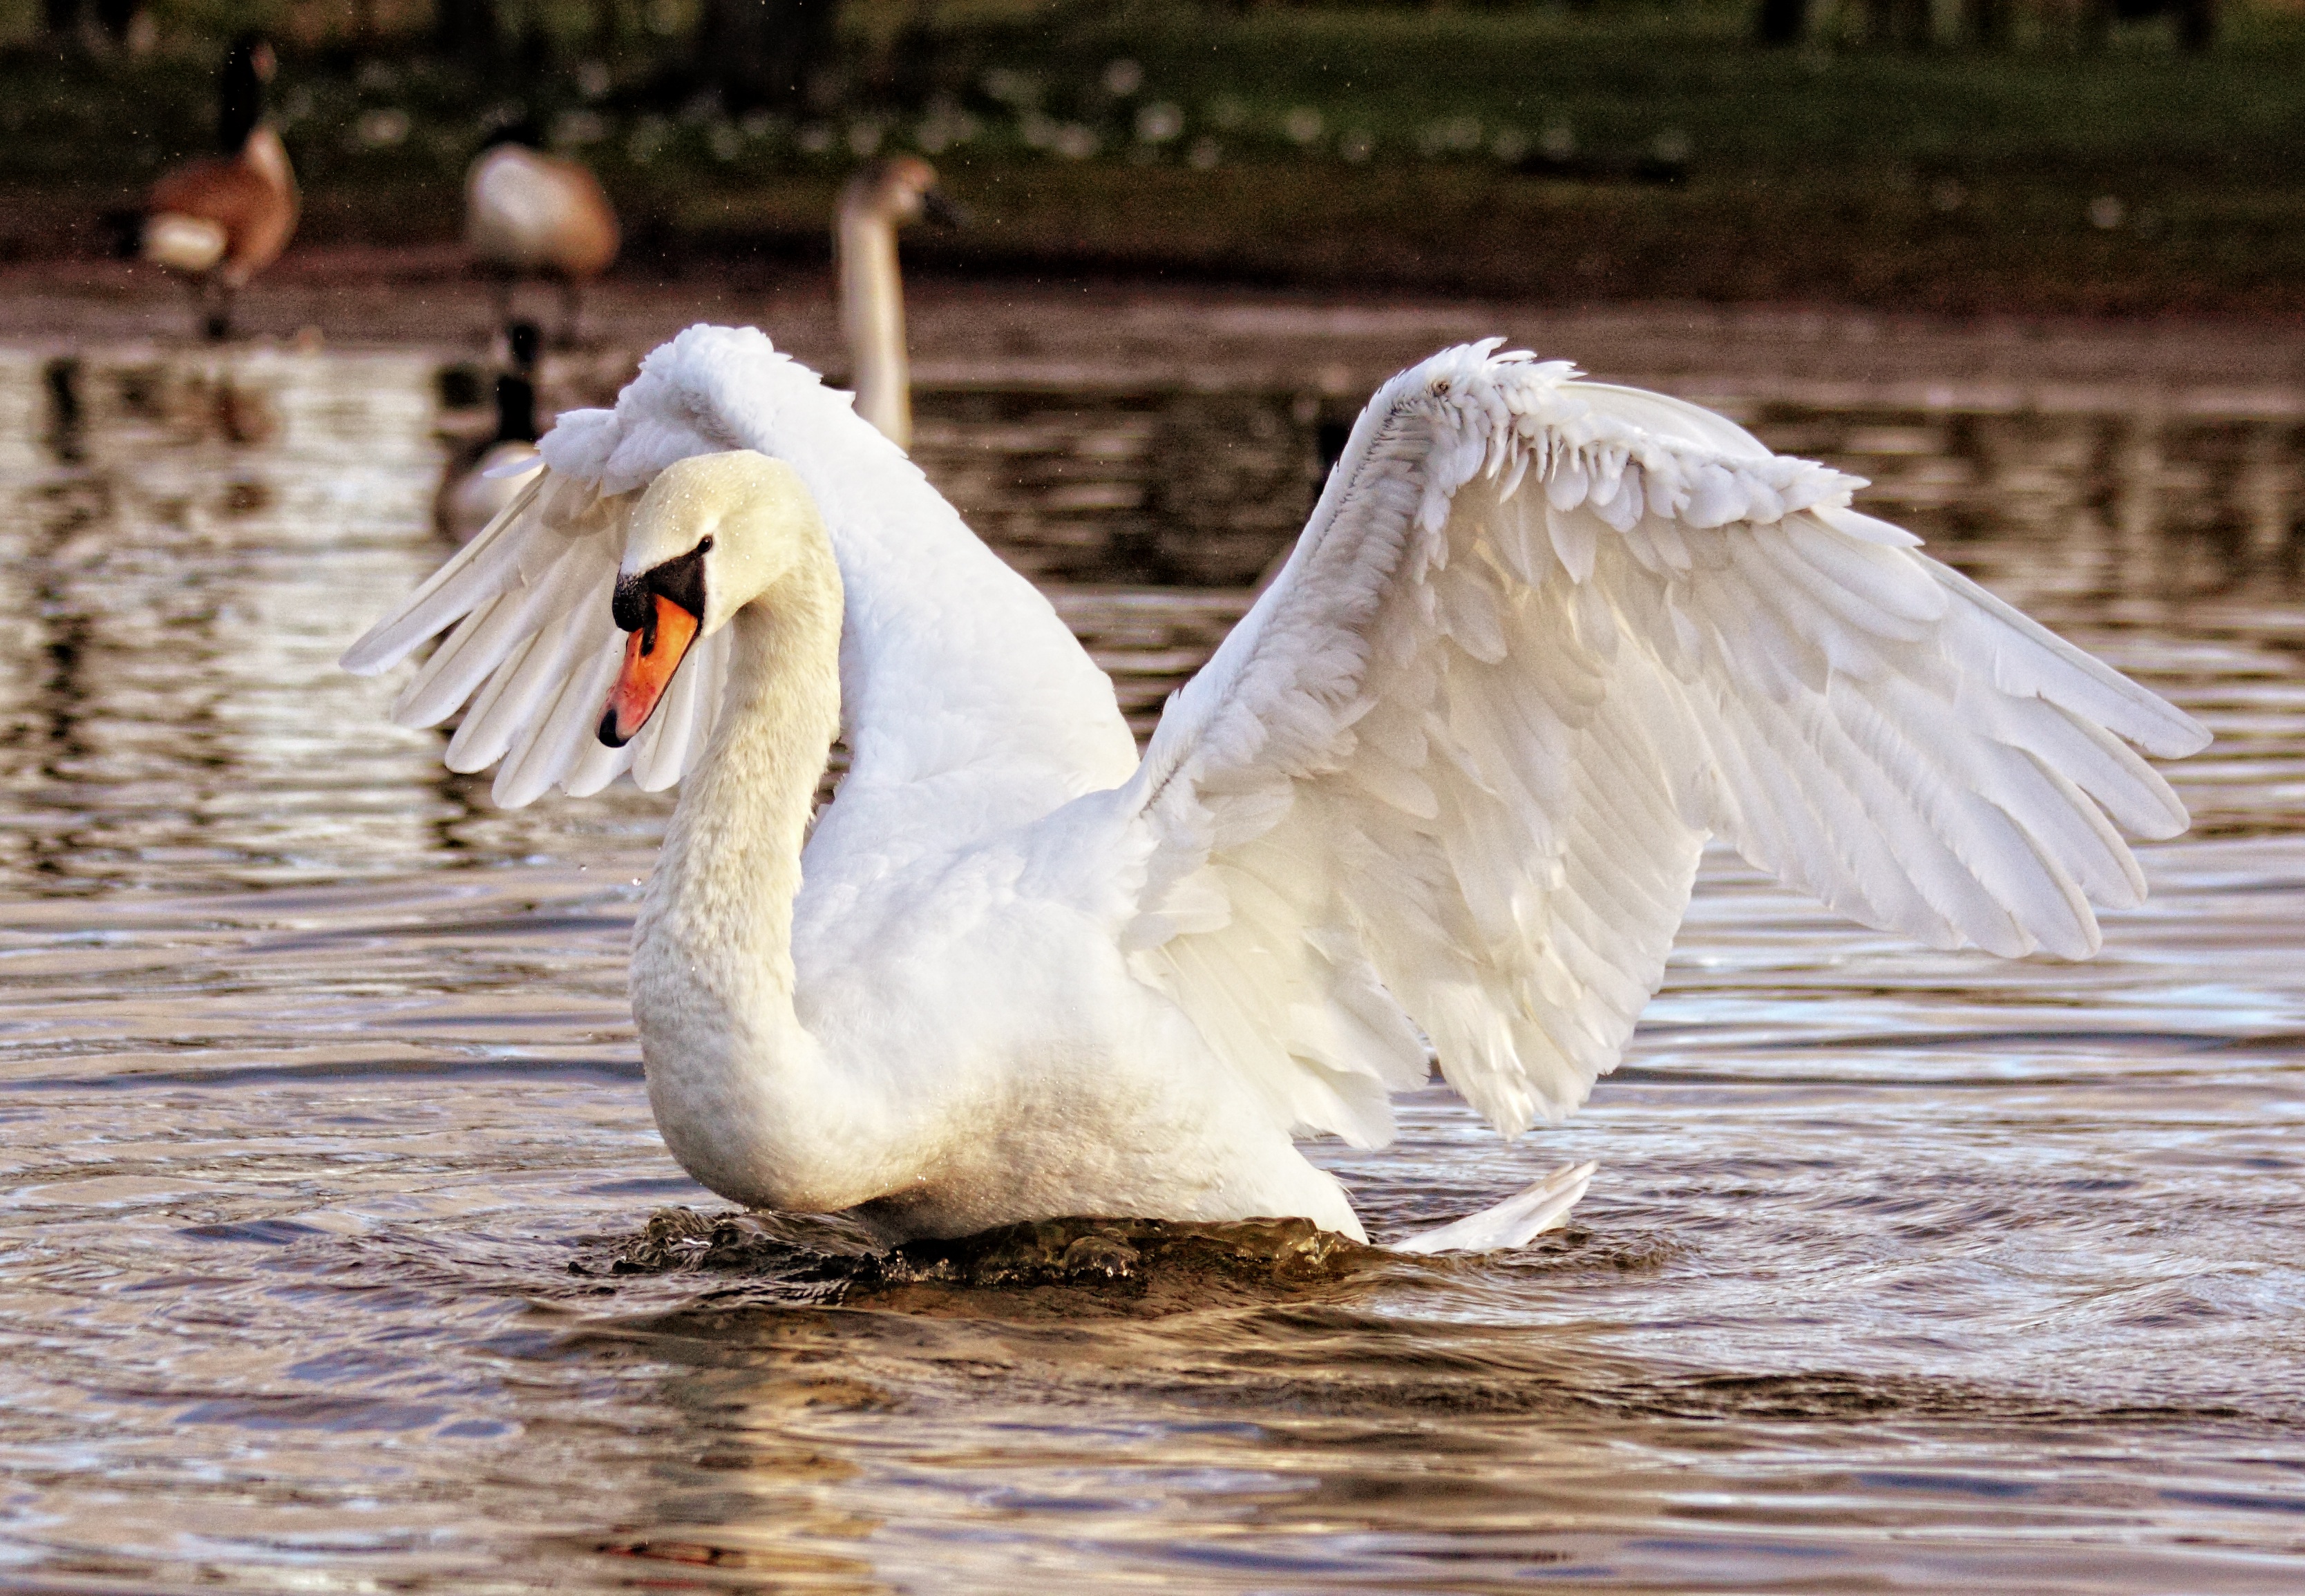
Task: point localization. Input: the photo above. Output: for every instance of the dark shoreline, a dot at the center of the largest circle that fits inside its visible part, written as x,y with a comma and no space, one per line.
1090,333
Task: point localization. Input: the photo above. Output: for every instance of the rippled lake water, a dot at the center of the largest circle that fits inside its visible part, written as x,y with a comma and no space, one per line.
1903,1268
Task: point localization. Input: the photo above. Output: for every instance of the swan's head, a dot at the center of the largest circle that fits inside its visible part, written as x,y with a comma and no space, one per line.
901,189
711,534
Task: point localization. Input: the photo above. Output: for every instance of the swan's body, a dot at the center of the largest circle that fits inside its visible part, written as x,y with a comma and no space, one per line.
735,968
220,219
873,205
529,214
1448,780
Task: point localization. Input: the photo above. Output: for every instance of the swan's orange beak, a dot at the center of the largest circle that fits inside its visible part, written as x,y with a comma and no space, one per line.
652,654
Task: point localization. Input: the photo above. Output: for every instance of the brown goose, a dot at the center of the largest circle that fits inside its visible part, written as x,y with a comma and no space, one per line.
529,214
472,489
220,219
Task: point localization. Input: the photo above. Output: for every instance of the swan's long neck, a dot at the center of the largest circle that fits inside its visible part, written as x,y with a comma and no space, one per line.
872,317
740,1089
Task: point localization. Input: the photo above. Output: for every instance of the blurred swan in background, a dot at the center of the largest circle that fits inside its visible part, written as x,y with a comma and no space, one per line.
1444,786
483,477
220,220
874,204
529,214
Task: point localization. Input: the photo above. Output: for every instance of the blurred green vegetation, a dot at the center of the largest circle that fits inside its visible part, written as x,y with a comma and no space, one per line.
1610,151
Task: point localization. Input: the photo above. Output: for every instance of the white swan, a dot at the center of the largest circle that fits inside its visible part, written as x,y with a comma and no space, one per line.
1448,780
876,201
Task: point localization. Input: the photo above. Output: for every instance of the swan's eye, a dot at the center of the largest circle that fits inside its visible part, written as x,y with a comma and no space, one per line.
682,581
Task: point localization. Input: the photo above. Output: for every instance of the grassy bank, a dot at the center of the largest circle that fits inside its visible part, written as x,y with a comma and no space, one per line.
1655,154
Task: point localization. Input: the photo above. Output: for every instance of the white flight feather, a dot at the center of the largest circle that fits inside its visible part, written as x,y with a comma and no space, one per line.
1000,705
1523,722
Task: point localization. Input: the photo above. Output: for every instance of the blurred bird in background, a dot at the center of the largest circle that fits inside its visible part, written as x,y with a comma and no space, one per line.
528,215
877,201
470,494
218,220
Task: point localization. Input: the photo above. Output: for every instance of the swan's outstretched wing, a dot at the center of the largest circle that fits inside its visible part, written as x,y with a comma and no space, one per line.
965,700
531,645
1541,638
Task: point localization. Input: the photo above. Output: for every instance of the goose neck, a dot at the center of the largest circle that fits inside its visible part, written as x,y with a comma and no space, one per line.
872,317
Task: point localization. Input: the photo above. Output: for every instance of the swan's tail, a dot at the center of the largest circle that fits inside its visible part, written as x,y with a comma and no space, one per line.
1519,1220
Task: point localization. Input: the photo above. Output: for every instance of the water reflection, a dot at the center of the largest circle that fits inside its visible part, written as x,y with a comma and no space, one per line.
1201,490
1903,1267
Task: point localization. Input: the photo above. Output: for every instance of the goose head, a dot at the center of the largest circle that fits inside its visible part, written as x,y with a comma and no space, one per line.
899,189
248,70
711,534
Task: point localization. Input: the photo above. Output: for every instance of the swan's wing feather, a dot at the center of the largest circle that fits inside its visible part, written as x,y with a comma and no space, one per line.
531,648
445,595
968,704
1453,771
